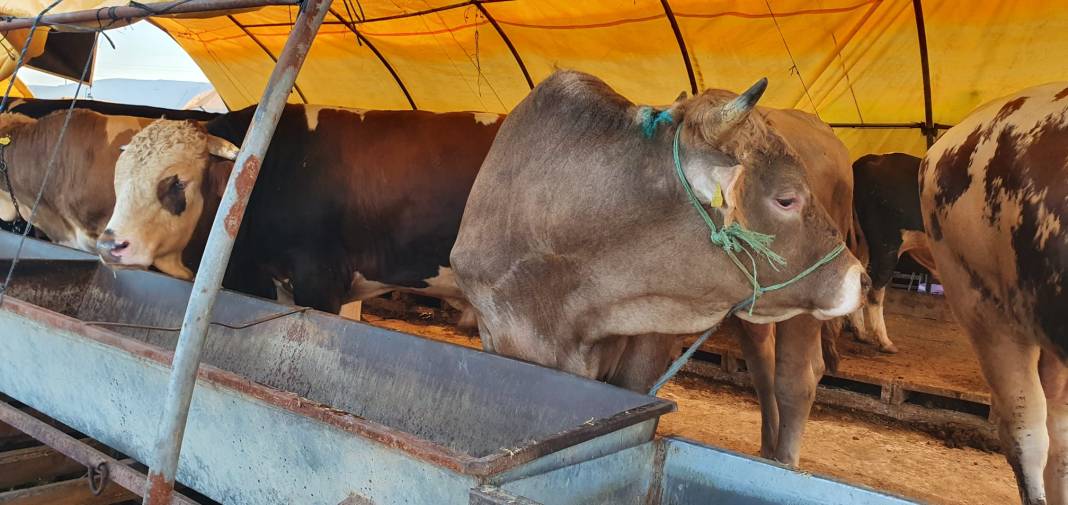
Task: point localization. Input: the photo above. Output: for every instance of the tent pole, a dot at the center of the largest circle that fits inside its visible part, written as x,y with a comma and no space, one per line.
929,129
164,460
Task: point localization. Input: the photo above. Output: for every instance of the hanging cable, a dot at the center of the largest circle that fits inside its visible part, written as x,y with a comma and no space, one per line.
51,164
795,69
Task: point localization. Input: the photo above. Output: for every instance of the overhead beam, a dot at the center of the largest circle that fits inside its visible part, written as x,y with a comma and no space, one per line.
378,54
507,42
107,15
682,45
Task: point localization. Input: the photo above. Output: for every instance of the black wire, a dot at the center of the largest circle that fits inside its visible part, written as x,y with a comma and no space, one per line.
48,171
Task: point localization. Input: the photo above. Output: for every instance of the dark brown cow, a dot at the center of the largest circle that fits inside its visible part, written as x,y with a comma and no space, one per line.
889,222
79,194
581,251
994,194
349,204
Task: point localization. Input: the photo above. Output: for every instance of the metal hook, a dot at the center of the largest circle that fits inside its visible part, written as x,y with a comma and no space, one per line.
98,478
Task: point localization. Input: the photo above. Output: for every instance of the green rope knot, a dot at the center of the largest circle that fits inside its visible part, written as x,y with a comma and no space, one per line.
650,122
735,238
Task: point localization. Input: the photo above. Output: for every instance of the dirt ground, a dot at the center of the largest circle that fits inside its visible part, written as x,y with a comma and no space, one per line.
884,456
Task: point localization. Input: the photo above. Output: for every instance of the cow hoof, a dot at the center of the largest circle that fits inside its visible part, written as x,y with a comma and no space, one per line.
888,349
861,338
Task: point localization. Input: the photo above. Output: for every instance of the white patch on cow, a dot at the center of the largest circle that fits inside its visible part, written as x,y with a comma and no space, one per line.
486,118
848,295
362,289
311,114
7,208
443,285
282,293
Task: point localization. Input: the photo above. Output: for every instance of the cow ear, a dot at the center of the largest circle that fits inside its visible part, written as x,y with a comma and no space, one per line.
714,186
218,175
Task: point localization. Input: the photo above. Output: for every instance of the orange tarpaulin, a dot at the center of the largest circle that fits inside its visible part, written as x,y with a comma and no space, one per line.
853,62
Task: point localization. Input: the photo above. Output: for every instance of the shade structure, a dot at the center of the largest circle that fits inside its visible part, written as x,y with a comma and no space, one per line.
855,63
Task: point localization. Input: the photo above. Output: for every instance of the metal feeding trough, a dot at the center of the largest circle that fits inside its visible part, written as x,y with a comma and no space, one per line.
301,407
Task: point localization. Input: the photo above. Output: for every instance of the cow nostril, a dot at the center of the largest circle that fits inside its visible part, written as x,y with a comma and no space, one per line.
118,246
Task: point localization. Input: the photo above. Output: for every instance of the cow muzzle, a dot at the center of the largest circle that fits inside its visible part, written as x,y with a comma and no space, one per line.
851,292
110,248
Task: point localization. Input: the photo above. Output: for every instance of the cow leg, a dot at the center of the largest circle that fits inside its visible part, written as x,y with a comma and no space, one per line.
1054,377
857,324
758,349
874,312
798,369
1010,367
645,358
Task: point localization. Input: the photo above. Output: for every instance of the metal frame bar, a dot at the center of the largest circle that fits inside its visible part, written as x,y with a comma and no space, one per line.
71,447
296,87
507,42
395,16
220,243
884,126
682,45
139,11
929,128
359,37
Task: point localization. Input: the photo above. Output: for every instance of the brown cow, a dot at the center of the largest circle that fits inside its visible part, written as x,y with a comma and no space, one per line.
349,203
581,251
994,195
79,194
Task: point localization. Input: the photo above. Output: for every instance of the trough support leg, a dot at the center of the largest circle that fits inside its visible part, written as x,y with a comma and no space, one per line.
164,461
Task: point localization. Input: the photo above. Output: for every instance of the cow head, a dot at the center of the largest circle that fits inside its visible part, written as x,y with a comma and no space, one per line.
738,163
162,179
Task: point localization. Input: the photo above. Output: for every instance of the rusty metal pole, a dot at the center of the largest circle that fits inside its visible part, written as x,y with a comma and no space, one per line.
164,462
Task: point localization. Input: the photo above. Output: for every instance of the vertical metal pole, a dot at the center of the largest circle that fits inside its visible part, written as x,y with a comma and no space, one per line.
925,67
164,461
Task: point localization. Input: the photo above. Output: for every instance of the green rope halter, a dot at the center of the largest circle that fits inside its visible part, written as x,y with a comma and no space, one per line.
734,238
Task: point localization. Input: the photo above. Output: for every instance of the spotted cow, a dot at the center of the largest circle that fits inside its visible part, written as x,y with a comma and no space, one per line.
994,197
349,204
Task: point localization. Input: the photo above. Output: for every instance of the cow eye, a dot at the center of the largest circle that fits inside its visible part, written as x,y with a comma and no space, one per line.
788,202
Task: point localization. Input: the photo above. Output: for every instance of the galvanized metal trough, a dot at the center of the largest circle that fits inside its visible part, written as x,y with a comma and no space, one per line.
301,407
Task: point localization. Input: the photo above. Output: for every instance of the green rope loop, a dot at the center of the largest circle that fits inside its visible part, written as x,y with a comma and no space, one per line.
734,238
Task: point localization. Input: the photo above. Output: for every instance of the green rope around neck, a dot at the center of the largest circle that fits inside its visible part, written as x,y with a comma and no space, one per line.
734,238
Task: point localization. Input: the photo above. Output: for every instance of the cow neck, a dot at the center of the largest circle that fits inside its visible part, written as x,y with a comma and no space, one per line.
735,238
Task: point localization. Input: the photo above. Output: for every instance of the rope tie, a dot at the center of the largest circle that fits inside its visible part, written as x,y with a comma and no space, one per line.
732,238
650,122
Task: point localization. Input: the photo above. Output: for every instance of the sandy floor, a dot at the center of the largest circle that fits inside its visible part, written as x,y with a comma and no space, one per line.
883,456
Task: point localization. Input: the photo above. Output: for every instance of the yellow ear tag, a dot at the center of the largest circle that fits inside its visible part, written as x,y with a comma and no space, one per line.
5,140
717,197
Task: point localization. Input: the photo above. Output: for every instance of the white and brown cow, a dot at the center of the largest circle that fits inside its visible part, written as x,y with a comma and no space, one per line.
79,195
994,194
349,203
581,251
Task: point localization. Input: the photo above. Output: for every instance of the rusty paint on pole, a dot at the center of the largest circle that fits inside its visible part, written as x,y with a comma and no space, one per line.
164,463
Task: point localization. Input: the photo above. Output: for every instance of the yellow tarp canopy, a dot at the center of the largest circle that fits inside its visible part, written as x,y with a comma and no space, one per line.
850,61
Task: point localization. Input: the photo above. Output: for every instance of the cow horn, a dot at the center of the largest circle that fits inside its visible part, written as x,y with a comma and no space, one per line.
735,111
222,148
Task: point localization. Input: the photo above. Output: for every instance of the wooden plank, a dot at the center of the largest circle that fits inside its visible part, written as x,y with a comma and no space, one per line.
37,464
70,492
